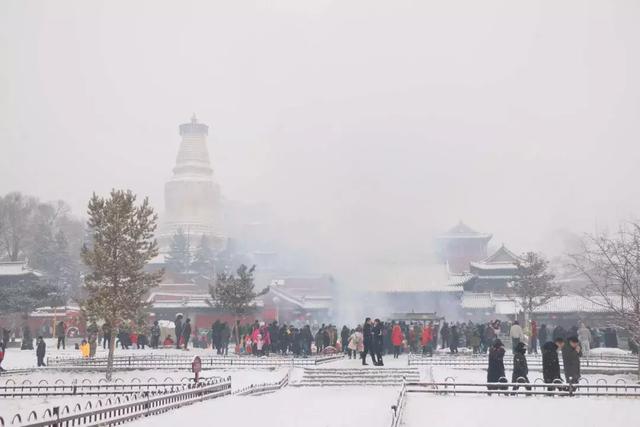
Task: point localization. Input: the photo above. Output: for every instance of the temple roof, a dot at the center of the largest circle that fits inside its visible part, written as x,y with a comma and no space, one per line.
463,231
502,259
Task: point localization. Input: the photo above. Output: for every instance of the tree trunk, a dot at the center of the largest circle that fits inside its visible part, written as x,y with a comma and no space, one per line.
112,349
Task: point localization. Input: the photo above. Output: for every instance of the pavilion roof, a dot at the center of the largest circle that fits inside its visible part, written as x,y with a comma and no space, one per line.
502,259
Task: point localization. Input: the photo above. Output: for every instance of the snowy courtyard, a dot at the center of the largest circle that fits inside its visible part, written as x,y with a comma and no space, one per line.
332,405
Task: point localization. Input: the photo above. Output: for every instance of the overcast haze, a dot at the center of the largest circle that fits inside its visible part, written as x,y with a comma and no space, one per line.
365,126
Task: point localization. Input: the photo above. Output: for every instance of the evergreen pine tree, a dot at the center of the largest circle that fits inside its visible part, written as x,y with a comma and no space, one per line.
236,294
122,244
204,258
179,256
65,272
533,284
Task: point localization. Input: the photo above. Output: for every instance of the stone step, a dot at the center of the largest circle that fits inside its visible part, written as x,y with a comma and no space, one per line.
356,375
364,371
341,384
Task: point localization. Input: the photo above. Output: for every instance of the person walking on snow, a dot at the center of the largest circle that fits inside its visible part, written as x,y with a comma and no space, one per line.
41,350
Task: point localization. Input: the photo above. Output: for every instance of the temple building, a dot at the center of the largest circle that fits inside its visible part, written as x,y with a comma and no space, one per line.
494,273
460,246
192,198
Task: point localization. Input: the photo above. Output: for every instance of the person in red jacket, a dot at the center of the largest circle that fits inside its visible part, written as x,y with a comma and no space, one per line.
425,340
1,355
396,339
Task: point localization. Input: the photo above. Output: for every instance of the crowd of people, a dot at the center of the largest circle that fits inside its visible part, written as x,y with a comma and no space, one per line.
373,338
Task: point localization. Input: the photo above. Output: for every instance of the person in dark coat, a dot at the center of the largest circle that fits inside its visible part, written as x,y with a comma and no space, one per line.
550,361
520,367
444,333
344,338
178,329
495,372
368,341
41,350
106,335
378,342
571,360
610,338
275,337
155,334
454,338
61,331
186,332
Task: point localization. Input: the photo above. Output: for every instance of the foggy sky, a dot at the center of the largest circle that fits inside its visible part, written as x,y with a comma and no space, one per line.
365,126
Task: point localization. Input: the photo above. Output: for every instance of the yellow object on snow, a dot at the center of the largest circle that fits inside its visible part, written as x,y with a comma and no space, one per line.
84,349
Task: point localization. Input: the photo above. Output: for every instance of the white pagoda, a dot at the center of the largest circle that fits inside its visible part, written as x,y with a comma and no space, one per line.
191,197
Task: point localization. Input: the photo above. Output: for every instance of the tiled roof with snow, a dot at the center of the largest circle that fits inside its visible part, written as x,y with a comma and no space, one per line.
308,303
459,279
502,259
505,305
16,269
571,304
477,301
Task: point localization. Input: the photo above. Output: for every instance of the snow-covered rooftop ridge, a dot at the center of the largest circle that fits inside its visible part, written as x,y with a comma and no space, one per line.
305,302
477,300
504,304
501,259
459,279
17,268
502,255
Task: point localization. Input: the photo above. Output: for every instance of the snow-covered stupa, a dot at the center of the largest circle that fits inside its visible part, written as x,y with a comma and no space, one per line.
191,196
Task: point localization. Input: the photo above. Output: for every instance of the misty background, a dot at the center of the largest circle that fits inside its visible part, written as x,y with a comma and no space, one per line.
357,129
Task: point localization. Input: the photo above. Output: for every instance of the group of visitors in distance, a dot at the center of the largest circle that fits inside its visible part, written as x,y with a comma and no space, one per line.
373,338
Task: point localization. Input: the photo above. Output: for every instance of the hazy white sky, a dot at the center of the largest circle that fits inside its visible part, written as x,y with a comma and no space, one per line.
365,126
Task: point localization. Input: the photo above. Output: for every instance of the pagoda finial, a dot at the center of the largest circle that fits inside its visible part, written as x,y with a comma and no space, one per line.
194,119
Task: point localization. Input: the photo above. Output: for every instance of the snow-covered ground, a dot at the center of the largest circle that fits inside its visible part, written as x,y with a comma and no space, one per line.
19,359
337,406
289,407
481,411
